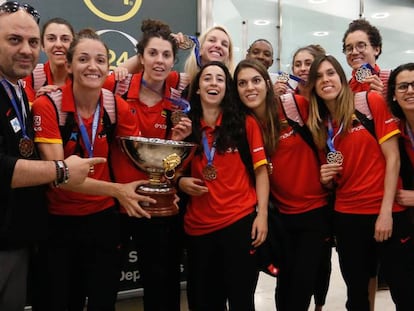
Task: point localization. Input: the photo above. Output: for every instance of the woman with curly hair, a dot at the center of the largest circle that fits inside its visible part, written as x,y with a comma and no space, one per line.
226,215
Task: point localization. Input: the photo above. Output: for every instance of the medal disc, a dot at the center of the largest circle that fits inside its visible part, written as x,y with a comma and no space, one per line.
362,73
176,116
186,44
209,172
334,157
26,147
283,77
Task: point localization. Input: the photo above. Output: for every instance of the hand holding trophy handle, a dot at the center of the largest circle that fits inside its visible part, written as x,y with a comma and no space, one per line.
160,159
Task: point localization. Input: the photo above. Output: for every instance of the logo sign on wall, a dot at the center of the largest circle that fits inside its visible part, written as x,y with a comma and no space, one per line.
118,22
132,8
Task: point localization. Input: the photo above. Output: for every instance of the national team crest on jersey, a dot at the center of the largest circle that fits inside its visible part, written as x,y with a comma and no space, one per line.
37,123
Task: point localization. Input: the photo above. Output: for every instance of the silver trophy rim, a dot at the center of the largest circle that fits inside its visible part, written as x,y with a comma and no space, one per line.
157,141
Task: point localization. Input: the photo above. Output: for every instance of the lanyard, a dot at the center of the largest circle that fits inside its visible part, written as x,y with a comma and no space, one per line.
331,136
196,50
84,132
207,151
12,98
183,104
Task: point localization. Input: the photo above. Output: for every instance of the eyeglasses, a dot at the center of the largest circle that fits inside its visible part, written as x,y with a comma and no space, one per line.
14,6
360,47
403,86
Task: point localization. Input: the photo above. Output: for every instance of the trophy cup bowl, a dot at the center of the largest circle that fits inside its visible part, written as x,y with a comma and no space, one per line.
160,159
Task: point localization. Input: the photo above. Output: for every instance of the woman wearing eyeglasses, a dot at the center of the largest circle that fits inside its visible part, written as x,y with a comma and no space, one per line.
368,223
362,45
400,100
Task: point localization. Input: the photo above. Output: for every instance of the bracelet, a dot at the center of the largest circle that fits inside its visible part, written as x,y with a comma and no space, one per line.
66,174
62,173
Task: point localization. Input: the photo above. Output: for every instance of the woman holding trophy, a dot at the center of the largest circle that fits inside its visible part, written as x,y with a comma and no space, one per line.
154,96
82,251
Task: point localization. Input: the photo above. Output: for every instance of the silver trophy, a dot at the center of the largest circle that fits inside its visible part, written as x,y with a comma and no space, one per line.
160,159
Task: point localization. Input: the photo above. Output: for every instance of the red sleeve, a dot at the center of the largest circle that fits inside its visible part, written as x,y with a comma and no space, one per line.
110,83
45,123
386,125
254,136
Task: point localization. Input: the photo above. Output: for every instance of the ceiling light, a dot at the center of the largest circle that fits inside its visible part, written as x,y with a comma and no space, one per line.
380,15
409,52
261,22
320,33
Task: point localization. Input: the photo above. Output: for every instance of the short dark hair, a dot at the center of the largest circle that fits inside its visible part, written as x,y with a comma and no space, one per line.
56,20
373,33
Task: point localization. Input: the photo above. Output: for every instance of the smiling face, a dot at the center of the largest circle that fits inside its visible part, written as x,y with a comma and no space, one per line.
89,66
19,45
157,60
262,51
405,98
328,83
56,42
215,47
212,86
356,59
252,89
301,64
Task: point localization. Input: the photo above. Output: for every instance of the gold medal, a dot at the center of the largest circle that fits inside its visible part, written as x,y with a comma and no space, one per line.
209,172
26,147
334,157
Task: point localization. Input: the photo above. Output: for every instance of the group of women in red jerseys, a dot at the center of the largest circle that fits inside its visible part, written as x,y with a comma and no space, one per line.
249,152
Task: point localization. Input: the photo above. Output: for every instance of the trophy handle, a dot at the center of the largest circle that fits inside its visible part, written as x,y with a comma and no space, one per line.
170,162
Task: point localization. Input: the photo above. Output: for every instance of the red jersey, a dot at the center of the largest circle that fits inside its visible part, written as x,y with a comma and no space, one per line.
361,184
361,87
294,182
152,121
231,196
62,202
41,76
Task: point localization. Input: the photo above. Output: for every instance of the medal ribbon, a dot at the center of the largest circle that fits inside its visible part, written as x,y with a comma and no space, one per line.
196,50
207,151
12,98
84,132
368,66
331,136
410,134
294,78
183,104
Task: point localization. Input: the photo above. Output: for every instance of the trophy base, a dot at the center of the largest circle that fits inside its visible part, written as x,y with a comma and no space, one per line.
165,198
